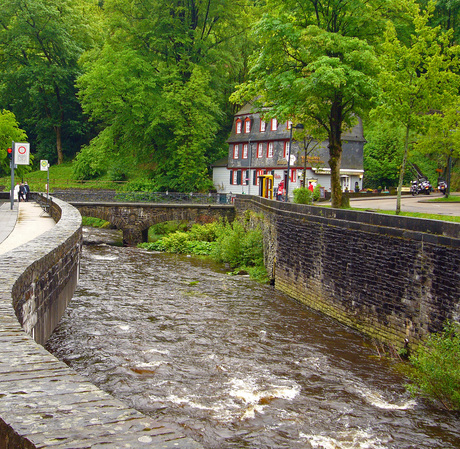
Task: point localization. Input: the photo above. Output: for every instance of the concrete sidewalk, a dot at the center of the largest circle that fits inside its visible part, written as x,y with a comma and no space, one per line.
25,222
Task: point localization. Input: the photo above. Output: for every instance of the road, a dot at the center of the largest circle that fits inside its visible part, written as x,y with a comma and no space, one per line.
419,204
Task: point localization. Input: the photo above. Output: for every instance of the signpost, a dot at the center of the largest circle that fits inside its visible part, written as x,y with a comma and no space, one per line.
20,156
22,153
44,166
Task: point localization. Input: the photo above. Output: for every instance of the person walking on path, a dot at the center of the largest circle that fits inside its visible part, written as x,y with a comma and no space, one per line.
22,192
26,191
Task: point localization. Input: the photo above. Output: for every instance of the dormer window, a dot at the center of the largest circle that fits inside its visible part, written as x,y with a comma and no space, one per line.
239,126
263,126
247,125
274,124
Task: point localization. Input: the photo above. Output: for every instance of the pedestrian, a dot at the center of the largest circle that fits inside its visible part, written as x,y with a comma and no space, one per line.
310,186
26,190
21,192
280,192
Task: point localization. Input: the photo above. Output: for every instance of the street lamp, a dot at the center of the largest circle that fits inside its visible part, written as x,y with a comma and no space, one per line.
298,126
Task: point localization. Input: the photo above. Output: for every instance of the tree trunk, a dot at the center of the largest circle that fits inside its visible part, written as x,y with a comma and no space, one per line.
335,159
402,170
335,152
60,154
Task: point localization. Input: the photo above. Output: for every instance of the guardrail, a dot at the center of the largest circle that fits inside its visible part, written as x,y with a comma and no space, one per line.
175,197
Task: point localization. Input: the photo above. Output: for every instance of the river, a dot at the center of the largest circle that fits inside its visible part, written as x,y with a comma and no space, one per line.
234,363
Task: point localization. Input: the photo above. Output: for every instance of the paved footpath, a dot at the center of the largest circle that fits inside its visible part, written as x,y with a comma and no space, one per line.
23,223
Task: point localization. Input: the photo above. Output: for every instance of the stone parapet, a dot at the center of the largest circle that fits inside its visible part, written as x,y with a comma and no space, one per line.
393,278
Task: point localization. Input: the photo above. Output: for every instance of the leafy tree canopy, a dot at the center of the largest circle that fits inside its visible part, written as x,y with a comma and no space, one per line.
40,43
9,132
158,86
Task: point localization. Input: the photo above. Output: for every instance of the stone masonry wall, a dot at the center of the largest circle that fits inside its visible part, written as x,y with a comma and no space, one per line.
379,275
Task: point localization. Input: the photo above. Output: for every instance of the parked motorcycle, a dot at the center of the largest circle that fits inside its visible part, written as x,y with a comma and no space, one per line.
442,187
421,186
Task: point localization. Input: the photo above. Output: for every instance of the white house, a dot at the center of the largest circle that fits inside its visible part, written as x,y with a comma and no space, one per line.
259,150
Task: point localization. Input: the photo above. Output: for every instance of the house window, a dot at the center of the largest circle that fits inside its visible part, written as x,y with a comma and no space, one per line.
274,124
239,126
245,177
260,150
293,175
263,126
235,177
235,151
247,125
286,149
245,151
270,149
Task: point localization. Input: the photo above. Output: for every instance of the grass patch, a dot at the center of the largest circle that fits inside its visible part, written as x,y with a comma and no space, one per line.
452,198
451,218
60,178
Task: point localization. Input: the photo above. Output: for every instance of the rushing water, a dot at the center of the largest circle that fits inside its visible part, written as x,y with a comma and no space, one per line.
235,364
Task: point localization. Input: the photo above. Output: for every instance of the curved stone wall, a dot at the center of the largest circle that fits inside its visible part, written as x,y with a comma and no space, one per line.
43,403
393,278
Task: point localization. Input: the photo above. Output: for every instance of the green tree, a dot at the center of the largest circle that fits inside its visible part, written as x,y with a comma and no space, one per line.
416,78
40,43
382,154
159,86
317,65
9,132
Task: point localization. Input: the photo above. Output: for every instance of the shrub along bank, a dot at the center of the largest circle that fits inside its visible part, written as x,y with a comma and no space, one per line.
435,368
224,242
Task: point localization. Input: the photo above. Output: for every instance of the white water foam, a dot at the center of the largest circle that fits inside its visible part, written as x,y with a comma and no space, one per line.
358,439
99,257
256,399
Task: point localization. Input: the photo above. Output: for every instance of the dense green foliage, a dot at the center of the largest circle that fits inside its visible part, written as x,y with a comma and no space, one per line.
140,90
232,244
436,367
158,86
40,44
94,222
9,132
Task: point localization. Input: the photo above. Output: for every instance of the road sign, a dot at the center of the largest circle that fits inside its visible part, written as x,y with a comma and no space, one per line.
22,153
44,165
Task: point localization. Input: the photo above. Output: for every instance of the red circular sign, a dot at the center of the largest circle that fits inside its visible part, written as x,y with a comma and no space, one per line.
22,150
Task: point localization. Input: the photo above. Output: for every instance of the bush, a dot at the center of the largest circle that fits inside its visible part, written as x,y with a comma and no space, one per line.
224,242
436,367
302,195
206,233
316,192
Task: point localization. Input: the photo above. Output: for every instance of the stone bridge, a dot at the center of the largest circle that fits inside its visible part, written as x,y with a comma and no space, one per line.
134,219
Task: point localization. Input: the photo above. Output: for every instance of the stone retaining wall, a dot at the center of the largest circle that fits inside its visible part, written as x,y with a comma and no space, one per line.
43,402
393,278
